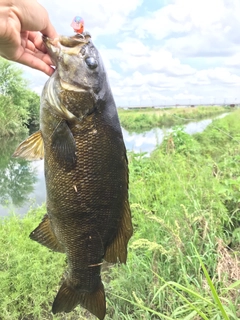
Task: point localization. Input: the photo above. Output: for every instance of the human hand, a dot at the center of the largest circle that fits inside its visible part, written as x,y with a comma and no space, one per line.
20,38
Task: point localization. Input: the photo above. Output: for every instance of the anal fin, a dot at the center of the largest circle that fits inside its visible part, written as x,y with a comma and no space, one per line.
117,249
68,298
45,235
32,148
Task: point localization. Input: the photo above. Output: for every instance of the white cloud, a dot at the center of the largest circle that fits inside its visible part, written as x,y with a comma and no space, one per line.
101,17
204,14
187,96
182,17
193,28
186,49
158,80
220,75
135,55
134,47
234,60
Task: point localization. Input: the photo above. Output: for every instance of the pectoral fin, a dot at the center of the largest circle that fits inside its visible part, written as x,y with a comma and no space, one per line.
117,250
44,235
32,148
63,144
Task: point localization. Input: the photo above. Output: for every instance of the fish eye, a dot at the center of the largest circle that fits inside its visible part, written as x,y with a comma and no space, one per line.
91,62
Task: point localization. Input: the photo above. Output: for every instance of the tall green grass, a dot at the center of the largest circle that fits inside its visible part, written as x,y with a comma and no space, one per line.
183,260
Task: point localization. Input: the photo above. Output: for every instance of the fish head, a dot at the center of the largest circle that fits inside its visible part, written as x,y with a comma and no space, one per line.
78,63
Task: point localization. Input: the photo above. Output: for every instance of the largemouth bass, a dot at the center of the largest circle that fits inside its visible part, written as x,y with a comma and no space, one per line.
86,170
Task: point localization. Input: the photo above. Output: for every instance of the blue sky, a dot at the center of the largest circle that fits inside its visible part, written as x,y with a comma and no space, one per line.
159,51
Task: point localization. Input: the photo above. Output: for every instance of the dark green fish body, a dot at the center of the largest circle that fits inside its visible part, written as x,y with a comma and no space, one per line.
88,215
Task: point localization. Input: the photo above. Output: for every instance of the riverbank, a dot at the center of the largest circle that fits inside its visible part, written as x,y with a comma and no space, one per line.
184,196
23,181
138,120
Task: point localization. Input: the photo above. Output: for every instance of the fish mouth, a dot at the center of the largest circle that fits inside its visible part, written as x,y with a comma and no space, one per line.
69,45
52,45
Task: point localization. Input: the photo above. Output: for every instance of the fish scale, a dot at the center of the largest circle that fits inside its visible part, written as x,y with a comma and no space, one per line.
86,171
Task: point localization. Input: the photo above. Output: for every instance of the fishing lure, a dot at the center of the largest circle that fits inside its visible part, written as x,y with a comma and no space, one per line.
78,24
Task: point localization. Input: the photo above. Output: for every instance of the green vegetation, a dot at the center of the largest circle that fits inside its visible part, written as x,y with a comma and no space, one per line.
138,120
19,106
184,257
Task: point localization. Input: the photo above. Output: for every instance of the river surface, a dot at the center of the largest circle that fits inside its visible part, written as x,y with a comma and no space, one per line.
22,183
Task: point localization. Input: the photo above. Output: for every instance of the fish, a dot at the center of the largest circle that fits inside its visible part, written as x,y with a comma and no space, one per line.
88,215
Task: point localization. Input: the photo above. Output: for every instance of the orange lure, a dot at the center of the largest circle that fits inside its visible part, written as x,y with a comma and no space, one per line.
78,24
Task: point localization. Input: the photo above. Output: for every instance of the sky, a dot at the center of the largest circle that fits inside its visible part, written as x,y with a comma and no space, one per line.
159,52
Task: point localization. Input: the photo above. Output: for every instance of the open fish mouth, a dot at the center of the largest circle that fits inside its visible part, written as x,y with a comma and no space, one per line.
62,48
69,45
49,42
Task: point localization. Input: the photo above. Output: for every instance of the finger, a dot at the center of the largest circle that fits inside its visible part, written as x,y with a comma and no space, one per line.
41,56
45,58
30,47
50,31
35,18
32,61
36,39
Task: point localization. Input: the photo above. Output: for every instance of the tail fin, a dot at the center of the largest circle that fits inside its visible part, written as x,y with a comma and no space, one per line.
68,298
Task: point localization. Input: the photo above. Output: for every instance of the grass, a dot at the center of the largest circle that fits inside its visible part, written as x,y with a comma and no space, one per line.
184,260
138,120
27,272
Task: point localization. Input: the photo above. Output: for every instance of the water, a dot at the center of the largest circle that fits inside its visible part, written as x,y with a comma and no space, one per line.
147,142
22,183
